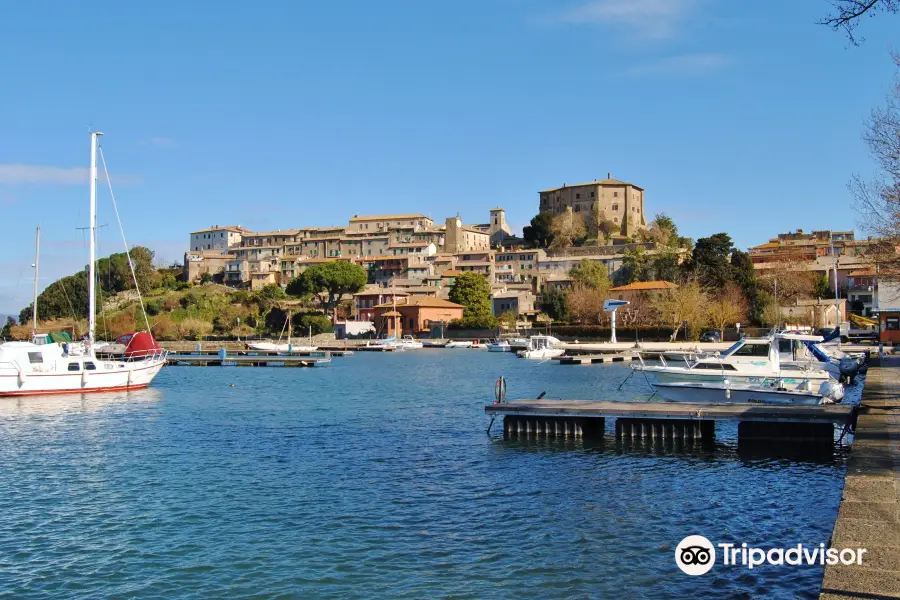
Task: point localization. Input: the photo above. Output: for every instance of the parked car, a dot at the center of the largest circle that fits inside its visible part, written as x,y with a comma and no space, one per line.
711,336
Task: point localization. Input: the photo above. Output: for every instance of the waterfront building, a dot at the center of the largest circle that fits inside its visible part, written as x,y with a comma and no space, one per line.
861,289
887,309
364,302
606,199
518,302
415,314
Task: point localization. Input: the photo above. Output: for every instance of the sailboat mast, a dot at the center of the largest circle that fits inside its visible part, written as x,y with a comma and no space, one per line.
37,261
837,302
92,267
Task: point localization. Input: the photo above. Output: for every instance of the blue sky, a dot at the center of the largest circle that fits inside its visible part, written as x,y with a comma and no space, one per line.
742,117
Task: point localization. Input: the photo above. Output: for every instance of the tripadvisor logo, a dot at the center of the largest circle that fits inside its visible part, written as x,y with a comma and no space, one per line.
696,555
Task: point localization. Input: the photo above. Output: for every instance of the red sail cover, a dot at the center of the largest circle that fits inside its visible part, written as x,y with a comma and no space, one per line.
140,345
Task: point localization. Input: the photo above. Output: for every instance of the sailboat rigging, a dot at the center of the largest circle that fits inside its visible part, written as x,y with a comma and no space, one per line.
52,365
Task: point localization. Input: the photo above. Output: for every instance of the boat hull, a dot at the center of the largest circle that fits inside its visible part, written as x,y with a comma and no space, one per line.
109,377
790,382
709,393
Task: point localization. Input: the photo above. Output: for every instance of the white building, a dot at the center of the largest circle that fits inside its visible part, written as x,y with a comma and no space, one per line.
217,237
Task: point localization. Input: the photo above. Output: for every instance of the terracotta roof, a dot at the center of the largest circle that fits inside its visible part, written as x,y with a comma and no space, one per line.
423,302
235,228
645,285
356,218
380,292
451,273
271,233
390,313
862,273
591,183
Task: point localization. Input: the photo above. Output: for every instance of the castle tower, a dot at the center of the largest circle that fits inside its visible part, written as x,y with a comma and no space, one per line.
499,228
454,240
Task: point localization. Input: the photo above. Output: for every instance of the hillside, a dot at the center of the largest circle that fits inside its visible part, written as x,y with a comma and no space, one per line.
191,312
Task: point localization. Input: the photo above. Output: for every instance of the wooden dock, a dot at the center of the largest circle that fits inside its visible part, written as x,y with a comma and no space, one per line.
662,420
593,359
248,360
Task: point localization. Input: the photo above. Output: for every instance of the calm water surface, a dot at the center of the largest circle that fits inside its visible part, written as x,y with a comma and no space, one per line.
374,479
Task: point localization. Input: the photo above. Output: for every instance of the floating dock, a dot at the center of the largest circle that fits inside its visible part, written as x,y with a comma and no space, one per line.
249,360
670,420
593,359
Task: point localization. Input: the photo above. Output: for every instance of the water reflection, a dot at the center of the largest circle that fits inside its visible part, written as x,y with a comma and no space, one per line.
61,404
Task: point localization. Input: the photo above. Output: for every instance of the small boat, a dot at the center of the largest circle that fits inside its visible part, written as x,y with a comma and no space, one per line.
275,347
540,347
407,343
725,392
499,346
282,348
458,344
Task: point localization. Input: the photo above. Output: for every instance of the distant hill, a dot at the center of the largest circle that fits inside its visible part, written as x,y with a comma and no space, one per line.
3,319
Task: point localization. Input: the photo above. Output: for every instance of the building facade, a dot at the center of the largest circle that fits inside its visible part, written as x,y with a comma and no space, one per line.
606,199
217,237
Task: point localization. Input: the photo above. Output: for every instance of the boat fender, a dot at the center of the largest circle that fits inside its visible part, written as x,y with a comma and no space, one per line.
130,375
832,391
22,377
500,390
84,377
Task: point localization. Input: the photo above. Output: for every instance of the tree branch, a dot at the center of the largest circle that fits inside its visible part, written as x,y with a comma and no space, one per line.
850,11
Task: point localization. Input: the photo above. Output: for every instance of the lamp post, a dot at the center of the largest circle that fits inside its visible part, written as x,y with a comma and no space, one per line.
238,329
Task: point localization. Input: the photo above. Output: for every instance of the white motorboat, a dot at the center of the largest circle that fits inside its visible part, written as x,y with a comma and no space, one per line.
44,367
540,347
407,343
499,346
753,361
458,344
725,392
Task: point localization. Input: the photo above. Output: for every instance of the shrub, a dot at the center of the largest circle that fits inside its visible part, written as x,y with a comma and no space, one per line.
194,329
154,307
319,323
164,328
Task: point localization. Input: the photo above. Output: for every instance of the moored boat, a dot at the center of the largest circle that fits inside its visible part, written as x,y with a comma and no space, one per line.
44,366
708,392
540,347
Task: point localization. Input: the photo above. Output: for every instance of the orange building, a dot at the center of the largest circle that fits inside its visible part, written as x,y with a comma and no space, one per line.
414,314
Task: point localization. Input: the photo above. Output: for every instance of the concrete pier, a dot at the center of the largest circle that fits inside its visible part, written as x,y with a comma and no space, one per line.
869,516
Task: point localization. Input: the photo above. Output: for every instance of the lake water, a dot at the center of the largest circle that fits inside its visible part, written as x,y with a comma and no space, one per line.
374,478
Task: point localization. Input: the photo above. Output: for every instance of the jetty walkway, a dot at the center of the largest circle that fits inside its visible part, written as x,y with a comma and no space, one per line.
869,516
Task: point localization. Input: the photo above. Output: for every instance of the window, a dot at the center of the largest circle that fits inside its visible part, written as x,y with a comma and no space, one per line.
578,196
750,350
892,324
74,366
35,358
615,207
592,194
615,194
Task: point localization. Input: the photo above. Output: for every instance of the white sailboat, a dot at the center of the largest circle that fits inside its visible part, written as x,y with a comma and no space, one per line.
41,367
288,347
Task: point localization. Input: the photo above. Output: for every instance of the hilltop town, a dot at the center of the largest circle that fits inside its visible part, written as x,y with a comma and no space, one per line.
411,260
